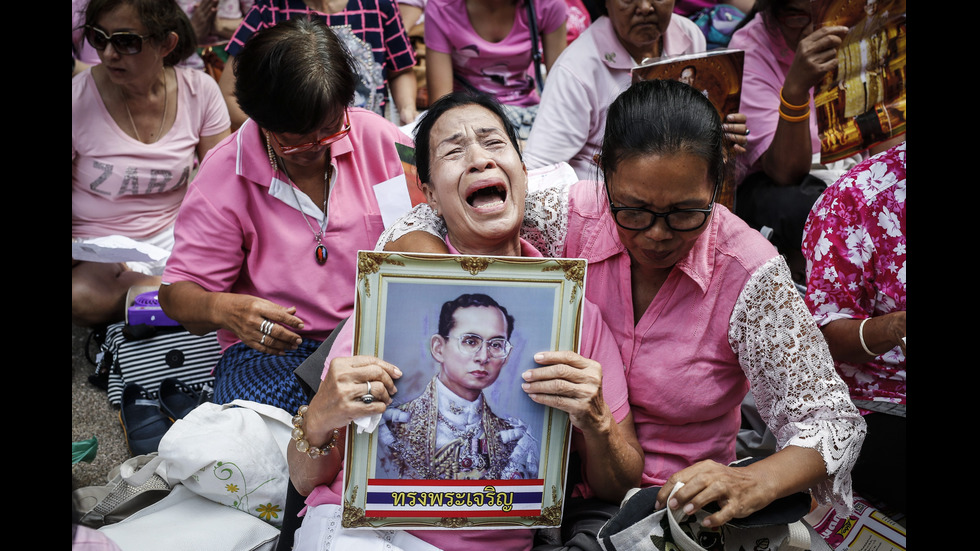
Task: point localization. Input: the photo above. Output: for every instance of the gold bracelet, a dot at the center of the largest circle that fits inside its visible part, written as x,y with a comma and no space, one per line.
789,105
302,444
794,118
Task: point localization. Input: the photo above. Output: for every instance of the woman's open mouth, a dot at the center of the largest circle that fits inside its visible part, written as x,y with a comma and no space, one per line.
487,196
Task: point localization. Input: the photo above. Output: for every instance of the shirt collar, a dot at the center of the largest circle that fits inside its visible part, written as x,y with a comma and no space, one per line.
614,54
456,410
256,167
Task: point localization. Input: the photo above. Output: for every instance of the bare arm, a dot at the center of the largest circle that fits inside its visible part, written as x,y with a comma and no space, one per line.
227,85
881,334
410,16
418,242
571,383
404,89
225,27
788,158
207,142
201,311
554,44
438,74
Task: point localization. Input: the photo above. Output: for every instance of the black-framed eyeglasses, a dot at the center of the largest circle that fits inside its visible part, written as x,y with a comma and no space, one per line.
640,219
124,42
470,344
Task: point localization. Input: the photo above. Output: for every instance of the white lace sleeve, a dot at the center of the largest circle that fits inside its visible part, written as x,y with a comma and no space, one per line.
798,392
546,219
420,218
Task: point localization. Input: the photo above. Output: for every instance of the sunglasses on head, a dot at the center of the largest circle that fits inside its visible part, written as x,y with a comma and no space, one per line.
124,42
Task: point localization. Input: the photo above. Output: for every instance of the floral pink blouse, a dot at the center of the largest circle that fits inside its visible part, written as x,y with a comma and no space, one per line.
854,244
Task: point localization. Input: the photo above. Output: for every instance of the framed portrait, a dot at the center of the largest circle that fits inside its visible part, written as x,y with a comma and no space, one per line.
462,444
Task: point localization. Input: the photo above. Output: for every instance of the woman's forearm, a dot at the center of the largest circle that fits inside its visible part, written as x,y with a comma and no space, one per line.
307,473
191,305
613,459
881,334
404,89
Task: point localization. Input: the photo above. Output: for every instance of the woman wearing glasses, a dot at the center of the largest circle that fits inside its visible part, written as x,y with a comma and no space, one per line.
266,240
139,126
702,309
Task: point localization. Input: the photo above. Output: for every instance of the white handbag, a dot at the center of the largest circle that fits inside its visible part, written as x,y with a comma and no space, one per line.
232,454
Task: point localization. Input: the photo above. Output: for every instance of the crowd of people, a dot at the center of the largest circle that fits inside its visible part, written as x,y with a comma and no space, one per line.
263,185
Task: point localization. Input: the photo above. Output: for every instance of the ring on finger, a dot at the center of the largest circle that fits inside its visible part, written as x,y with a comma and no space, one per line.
368,398
266,327
262,342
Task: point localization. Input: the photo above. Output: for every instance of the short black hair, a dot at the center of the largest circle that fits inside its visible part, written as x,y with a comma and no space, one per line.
160,17
293,76
423,129
663,117
447,321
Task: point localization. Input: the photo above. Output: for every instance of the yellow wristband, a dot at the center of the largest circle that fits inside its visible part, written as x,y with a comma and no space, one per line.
789,105
794,118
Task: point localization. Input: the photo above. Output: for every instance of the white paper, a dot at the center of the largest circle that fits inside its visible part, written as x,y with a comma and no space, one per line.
116,248
393,199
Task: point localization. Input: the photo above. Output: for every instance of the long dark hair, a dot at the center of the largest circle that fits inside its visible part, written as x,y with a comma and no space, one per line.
663,117
439,108
160,17
291,77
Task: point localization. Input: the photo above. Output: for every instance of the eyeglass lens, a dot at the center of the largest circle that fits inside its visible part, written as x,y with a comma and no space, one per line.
125,43
641,219
496,348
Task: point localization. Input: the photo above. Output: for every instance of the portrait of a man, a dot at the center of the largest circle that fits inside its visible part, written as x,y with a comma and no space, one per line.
449,431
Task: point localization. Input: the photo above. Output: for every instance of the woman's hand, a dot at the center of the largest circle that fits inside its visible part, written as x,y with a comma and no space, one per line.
571,383
612,455
338,400
203,19
736,131
736,490
816,54
259,323
741,491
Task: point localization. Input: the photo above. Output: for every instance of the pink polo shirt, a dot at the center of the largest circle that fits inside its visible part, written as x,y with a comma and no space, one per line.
767,62
597,343
239,229
686,383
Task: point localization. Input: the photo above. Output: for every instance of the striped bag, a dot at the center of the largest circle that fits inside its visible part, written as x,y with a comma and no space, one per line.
167,352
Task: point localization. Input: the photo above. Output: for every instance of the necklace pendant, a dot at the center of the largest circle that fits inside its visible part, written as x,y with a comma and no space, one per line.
321,255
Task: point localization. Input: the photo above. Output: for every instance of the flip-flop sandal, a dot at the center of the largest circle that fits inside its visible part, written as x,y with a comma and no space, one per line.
101,505
177,399
143,422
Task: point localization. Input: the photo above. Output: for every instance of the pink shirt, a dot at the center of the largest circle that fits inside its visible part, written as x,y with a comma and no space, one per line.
582,83
686,381
855,246
502,69
767,62
597,344
239,229
121,186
